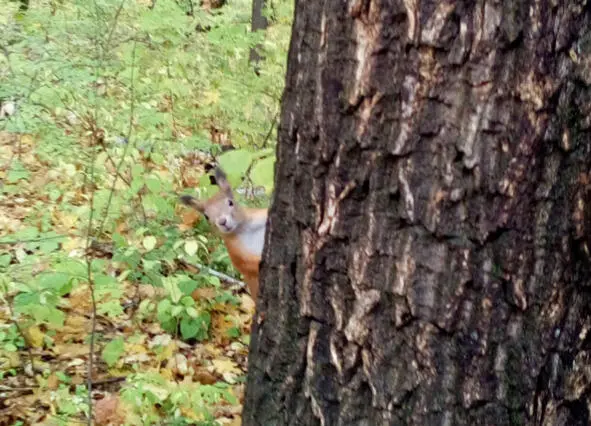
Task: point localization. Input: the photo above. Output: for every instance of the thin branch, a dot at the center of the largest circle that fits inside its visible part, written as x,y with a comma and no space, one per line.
114,25
109,381
88,255
17,389
128,138
273,123
32,240
23,335
217,274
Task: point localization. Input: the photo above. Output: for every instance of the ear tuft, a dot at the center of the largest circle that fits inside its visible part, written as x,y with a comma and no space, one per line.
222,181
220,175
190,201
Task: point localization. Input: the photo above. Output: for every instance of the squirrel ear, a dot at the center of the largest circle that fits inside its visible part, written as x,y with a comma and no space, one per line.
190,201
222,181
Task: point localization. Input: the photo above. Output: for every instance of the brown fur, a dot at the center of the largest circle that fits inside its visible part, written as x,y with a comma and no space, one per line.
247,263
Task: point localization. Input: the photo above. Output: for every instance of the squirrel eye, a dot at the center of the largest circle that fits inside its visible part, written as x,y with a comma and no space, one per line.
206,217
230,203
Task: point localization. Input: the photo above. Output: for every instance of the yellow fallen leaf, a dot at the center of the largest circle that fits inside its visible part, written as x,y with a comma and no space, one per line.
135,348
167,373
236,421
27,139
35,336
211,350
77,322
247,303
66,220
211,97
71,349
13,359
73,244
225,366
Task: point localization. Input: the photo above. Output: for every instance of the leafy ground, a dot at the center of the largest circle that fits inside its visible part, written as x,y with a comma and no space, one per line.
116,107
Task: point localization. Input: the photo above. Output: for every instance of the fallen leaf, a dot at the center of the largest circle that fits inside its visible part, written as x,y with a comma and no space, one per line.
179,364
204,377
204,293
35,336
107,411
190,218
225,366
73,243
53,381
70,350
247,303
78,380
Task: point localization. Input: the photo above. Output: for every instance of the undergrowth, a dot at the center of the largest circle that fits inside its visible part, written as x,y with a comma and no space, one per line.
117,108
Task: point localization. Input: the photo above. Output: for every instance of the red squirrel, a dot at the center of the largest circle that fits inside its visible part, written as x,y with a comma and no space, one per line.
241,228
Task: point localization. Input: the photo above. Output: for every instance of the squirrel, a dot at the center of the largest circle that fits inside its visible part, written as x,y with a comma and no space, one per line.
242,229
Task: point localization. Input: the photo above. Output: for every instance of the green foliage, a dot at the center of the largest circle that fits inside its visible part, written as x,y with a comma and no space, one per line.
113,351
69,404
179,309
146,391
113,100
10,339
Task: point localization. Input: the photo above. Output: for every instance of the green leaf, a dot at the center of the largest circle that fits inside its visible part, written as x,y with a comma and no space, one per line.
149,242
103,280
74,268
163,310
233,332
262,173
17,171
153,184
49,246
187,286
113,351
191,247
192,312
172,286
5,260
112,308
176,310
189,328
46,314
235,163
60,282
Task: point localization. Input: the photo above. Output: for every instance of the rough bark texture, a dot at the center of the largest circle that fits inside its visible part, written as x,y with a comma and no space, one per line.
427,260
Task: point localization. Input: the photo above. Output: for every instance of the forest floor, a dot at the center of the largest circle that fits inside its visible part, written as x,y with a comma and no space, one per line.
142,373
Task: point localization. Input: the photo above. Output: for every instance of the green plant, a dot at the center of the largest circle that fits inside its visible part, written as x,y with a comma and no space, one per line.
118,107
179,311
146,391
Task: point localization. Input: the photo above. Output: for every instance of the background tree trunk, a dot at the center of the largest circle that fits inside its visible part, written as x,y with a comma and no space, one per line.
258,22
427,256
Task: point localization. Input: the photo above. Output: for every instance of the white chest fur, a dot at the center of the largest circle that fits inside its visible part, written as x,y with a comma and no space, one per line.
252,239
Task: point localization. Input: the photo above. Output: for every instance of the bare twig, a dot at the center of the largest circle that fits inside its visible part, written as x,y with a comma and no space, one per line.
32,240
273,124
217,274
17,389
22,334
128,137
109,381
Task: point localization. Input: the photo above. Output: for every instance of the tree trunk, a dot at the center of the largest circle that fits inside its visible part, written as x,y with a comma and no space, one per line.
427,254
258,22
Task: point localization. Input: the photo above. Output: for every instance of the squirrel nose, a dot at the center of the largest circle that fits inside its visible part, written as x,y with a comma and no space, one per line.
222,221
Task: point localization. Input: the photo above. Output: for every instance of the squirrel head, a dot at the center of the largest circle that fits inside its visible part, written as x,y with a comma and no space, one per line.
220,210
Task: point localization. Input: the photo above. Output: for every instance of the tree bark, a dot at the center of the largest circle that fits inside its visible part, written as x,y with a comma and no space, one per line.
427,254
258,22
